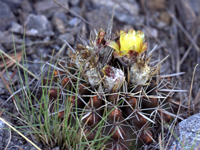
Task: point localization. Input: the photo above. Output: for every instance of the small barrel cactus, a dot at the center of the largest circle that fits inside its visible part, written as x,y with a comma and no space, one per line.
112,81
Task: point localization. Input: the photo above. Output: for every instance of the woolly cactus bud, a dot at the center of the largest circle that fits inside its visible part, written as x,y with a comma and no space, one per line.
139,73
93,77
113,78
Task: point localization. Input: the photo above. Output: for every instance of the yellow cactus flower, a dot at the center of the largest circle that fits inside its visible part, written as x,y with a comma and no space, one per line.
129,43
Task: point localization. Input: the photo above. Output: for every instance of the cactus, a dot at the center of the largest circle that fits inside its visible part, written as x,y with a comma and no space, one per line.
113,80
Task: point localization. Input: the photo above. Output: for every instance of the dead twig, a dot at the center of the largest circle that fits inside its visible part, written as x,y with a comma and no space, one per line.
189,48
19,133
18,63
191,90
184,31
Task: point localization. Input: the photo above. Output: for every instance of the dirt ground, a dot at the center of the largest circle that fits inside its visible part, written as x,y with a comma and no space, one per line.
174,26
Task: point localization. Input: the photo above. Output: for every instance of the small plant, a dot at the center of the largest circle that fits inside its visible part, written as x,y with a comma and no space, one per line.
107,94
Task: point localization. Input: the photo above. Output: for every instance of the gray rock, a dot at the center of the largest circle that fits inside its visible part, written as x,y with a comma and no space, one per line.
150,32
4,135
76,9
26,6
61,15
6,38
188,133
74,2
99,18
14,5
16,28
60,21
14,79
126,11
74,21
6,16
2,48
44,53
2,87
48,7
56,148
68,37
38,25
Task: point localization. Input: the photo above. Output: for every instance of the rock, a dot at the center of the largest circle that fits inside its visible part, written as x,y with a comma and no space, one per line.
61,15
44,53
56,148
16,28
99,18
74,21
38,25
14,5
67,37
129,5
26,6
150,32
4,135
76,9
126,11
155,5
165,17
2,47
6,38
2,87
14,79
6,16
195,5
48,7
187,132
60,21
74,2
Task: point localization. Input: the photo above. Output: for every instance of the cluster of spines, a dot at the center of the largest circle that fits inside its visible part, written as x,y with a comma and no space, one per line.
132,115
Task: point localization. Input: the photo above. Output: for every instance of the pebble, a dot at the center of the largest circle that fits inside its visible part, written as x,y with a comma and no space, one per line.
74,2
67,37
6,16
38,25
126,11
74,21
60,21
99,18
16,28
48,7
150,32
26,6
188,134
14,5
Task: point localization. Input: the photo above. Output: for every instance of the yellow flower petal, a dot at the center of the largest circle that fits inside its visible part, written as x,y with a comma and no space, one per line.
114,45
129,41
116,54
